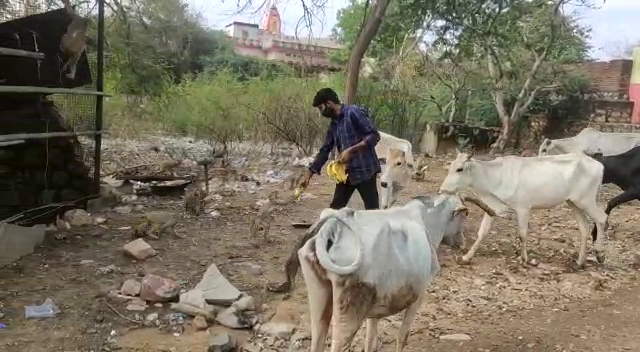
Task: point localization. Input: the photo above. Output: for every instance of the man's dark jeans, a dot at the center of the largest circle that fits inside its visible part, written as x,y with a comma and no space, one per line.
368,192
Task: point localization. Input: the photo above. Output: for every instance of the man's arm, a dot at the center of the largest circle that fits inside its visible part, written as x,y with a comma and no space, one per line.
361,121
323,154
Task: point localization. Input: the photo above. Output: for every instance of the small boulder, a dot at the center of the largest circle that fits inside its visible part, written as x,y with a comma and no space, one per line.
139,249
200,323
216,289
193,298
124,209
134,307
130,288
221,342
158,289
77,217
283,322
456,337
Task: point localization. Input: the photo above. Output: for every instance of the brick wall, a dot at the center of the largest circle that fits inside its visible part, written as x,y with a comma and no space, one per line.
607,76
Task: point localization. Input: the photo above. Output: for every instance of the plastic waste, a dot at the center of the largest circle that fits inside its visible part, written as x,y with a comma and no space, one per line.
47,309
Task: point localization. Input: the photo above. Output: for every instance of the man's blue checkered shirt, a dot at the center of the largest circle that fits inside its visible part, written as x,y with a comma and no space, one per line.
350,128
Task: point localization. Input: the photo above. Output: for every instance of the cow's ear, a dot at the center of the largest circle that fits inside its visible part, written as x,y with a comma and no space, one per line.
471,153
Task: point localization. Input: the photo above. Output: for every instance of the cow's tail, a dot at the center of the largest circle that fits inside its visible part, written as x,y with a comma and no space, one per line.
322,241
292,266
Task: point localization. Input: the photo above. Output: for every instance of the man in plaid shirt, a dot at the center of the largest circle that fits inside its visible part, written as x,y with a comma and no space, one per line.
353,134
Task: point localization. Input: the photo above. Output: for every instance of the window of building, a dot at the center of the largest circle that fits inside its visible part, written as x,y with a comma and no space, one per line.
245,34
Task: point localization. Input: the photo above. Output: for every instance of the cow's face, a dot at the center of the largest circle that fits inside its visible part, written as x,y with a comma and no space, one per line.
454,231
459,177
545,147
456,217
395,177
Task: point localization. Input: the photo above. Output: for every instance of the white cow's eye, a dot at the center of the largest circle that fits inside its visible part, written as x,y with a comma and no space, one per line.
459,169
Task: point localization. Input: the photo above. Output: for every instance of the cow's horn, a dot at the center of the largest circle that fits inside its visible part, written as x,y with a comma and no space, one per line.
479,203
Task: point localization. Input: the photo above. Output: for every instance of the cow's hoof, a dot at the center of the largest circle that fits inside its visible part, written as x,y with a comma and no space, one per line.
600,257
577,265
461,260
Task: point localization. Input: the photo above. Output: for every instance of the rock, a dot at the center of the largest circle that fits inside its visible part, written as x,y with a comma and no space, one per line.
283,322
130,288
77,217
250,347
125,209
200,323
139,249
234,319
152,317
99,204
158,289
221,342
99,220
216,289
253,269
245,303
456,337
281,330
106,270
193,298
62,225
136,307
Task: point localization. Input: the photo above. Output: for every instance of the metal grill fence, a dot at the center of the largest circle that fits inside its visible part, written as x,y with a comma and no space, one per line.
37,171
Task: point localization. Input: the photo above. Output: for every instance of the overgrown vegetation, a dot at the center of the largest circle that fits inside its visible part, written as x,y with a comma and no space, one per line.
491,63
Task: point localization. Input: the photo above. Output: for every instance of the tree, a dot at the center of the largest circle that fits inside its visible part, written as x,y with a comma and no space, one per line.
515,39
153,42
403,22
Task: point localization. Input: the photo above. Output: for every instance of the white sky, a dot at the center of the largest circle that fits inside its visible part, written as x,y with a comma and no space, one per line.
614,24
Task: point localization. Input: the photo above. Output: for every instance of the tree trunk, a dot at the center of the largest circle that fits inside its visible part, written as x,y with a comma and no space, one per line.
503,138
360,48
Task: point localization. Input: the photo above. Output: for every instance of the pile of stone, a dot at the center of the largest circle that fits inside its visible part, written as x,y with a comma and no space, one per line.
213,301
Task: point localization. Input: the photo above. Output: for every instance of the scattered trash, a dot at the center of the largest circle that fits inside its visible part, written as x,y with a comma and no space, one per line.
176,318
106,270
2,326
47,309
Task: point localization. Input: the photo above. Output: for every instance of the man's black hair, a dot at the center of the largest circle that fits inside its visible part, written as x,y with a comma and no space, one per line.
325,95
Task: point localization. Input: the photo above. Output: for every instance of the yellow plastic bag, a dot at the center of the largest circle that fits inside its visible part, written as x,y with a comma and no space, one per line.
337,171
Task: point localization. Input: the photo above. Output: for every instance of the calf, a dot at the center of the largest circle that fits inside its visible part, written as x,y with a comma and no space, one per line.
388,142
522,184
623,170
590,141
395,177
370,264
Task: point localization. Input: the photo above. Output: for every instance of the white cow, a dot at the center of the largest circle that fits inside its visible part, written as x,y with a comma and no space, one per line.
395,177
521,184
370,264
591,141
388,142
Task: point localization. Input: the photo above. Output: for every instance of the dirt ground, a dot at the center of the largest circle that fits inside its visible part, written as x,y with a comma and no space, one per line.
501,305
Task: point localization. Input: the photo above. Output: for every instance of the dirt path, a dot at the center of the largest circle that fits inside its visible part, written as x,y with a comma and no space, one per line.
501,305
601,325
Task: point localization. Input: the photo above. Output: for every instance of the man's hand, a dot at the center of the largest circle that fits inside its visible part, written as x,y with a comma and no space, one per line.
304,183
345,156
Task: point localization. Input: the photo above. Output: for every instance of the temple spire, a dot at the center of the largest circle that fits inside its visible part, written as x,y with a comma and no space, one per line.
271,22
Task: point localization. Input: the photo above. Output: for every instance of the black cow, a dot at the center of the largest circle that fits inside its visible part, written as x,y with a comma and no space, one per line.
623,170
